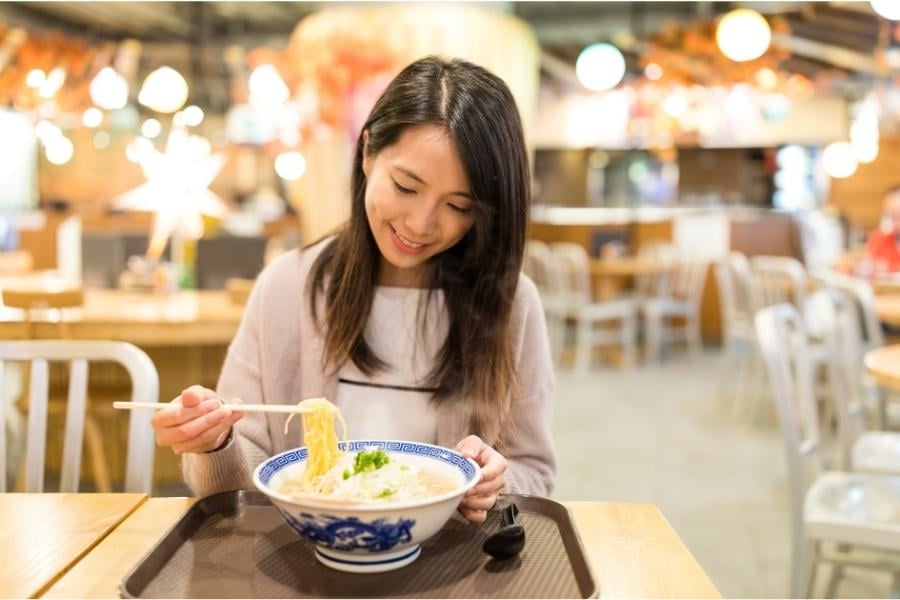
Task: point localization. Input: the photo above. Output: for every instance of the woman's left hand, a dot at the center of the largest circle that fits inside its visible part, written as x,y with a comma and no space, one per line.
482,497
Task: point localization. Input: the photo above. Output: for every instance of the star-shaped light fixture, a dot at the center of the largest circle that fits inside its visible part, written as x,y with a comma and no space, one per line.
176,189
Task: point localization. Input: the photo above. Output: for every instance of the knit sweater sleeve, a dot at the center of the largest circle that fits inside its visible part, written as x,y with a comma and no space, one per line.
229,468
530,449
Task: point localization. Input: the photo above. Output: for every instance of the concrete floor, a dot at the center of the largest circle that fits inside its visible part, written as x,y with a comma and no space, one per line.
664,434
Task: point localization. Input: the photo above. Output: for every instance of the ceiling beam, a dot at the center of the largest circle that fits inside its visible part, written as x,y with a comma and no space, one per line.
839,57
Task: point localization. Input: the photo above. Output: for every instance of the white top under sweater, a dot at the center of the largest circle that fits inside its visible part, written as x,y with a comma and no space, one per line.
395,403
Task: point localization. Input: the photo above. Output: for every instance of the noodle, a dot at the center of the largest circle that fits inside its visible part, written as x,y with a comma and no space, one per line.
320,439
369,474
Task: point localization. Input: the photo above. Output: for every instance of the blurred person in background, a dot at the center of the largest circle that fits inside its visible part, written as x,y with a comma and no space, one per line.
883,245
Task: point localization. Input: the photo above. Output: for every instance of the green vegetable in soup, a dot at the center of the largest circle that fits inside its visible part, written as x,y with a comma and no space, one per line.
385,493
370,460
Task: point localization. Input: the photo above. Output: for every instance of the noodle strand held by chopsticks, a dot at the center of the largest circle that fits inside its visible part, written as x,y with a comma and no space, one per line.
320,438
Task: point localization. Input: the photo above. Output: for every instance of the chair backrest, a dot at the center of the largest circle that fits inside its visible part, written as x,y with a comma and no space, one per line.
864,297
145,388
833,313
573,268
738,295
537,264
786,354
688,279
659,284
779,279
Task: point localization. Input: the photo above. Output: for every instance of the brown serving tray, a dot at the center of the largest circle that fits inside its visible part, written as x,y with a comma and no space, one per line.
237,545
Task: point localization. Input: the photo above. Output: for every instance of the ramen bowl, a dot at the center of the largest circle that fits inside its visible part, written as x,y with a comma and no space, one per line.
370,536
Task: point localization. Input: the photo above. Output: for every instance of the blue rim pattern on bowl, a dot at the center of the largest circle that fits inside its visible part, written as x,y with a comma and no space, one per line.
289,457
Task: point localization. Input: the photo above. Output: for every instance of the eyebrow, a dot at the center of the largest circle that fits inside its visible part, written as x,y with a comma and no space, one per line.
412,175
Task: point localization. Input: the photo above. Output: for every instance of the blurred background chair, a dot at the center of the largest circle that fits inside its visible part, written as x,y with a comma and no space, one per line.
618,317
145,388
859,447
223,257
673,314
779,279
848,510
538,264
741,369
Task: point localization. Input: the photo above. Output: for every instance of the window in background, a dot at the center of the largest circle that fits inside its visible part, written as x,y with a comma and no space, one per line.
795,183
18,163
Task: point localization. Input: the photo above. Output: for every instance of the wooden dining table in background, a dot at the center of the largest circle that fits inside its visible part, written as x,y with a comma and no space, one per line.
83,545
611,276
883,365
887,307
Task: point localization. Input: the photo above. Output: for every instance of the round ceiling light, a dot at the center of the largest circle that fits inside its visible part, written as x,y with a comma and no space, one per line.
164,90
600,67
743,35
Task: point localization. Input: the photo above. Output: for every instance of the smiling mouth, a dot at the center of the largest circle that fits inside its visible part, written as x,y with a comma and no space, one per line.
405,241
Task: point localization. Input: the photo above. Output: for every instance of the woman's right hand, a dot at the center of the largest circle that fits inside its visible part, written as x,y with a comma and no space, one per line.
196,421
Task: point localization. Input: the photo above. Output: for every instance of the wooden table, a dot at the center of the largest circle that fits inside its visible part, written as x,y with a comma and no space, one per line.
883,364
42,535
611,275
185,318
887,306
626,266
632,549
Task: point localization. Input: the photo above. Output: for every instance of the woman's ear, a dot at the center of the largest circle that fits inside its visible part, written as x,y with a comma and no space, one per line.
366,160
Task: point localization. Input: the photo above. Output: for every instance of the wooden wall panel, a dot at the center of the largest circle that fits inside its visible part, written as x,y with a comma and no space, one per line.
860,196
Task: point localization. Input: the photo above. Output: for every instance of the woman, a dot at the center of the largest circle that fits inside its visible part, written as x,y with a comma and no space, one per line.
414,318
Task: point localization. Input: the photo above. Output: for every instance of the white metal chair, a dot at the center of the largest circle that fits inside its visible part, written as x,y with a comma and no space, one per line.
779,279
851,510
864,297
741,369
145,388
685,292
861,449
539,264
572,266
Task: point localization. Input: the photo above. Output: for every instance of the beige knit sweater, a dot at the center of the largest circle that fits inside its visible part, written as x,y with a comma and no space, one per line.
276,357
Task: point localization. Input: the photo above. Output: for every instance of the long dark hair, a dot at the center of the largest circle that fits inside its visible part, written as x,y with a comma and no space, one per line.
479,274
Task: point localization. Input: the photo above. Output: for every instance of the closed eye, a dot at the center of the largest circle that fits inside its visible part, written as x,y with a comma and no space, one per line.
402,189
460,209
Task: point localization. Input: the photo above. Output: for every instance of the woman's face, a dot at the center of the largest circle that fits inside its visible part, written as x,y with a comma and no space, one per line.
418,202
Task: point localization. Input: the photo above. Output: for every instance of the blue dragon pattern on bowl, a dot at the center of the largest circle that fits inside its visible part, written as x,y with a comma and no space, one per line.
351,533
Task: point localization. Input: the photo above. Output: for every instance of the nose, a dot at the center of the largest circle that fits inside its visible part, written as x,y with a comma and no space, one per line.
421,220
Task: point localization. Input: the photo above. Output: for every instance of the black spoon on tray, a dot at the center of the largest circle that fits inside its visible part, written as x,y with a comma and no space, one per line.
509,540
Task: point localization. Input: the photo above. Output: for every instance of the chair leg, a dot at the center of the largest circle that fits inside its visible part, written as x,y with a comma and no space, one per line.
804,561
629,340
653,330
728,381
756,385
837,573
895,585
694,337
99,463
584,343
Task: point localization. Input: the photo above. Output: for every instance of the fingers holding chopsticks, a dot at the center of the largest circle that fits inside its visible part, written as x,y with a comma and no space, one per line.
196,421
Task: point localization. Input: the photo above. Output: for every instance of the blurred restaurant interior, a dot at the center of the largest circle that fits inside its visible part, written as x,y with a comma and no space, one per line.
713,232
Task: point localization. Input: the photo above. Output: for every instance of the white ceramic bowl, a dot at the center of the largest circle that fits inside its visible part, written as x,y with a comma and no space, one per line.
372,536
